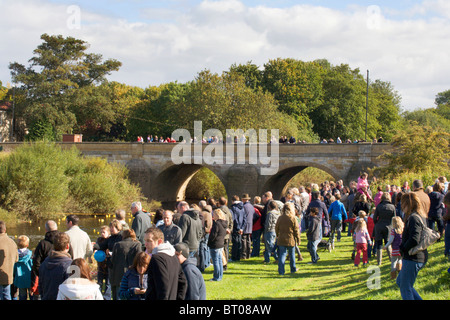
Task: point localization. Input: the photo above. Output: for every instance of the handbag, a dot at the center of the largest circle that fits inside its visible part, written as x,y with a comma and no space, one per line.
427,238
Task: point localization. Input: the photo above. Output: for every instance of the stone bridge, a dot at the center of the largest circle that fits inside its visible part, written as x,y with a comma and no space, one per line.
152,166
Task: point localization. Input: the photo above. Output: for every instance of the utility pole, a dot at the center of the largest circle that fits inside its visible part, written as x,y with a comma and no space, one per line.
367,102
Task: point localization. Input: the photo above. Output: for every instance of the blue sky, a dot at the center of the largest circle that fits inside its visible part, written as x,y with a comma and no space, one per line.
404,42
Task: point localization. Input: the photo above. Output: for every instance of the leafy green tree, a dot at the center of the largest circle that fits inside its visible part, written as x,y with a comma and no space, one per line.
297,86
342,112
417,148
384,110
51,84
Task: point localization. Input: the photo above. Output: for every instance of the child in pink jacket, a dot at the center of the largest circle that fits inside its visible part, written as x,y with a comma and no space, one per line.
362,239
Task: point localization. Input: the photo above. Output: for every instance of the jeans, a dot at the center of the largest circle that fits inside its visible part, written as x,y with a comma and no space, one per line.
204,255
284,251
5,292
312,249
256,238
216,258
336,228
447,239
269,242
406,279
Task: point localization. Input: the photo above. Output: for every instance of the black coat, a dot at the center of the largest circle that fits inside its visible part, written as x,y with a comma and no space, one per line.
217,235
166,279
411,238
382,219
436,207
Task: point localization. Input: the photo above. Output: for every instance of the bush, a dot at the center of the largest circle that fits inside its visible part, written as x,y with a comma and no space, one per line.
41,179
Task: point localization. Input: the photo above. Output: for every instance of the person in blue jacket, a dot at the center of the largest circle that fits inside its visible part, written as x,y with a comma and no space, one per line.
22,268
337,214
196,288
239,223
134,282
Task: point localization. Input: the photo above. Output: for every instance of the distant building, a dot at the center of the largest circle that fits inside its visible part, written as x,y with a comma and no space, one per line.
5,121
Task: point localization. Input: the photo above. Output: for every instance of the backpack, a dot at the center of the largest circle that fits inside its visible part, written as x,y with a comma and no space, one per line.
427,238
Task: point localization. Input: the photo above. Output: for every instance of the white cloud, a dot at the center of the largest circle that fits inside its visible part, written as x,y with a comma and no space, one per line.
408,49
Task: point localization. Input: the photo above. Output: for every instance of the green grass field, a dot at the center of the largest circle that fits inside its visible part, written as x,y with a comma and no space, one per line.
334,277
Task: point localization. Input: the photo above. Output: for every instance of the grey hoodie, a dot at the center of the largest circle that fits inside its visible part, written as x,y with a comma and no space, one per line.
191,228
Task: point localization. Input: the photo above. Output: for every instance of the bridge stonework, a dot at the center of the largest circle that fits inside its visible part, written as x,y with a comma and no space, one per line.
151,166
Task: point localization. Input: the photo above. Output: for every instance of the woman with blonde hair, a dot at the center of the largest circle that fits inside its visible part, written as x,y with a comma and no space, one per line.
288,236
415,219
216,243
395,239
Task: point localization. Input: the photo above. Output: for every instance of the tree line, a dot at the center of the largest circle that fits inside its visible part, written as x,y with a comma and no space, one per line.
65,90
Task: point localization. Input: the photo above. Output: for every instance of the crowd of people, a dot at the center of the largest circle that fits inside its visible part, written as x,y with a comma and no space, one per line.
244,139
164,255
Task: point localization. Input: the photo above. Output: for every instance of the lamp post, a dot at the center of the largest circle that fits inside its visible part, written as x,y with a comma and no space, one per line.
12,117
367,102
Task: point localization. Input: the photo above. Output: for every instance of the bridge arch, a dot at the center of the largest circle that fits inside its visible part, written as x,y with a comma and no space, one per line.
169,186
279,182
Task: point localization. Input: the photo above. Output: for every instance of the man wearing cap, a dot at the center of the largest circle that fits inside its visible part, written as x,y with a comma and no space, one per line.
196,289
248,228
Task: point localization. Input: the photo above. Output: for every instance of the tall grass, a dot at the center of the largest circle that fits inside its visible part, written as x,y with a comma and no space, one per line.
41,179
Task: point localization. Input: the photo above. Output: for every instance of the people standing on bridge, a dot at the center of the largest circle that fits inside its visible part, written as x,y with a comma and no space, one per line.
248,228
141,222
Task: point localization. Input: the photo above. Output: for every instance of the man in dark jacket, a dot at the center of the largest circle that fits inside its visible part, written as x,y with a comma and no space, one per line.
141,222
239,223
166,280
191,227
382,219
248,228
42,251
196,289
320,205
54,270
172,232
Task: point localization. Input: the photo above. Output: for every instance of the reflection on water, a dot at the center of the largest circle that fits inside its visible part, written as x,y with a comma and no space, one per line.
36,230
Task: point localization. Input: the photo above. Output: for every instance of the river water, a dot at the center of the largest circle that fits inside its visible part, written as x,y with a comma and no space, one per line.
36,230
